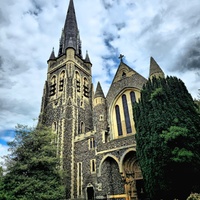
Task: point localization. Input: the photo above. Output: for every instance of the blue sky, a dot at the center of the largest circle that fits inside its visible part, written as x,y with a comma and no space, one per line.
165,30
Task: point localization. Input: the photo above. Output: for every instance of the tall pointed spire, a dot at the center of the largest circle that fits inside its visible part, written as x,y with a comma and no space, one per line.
70,35
155,69
99,91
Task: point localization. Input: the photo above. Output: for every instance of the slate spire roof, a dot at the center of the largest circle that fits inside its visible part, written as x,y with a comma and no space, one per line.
70,34
99,91
154,67
87,59
52,56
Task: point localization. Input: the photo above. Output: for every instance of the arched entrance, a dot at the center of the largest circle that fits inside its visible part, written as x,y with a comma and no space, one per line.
90,193
132,176
112,183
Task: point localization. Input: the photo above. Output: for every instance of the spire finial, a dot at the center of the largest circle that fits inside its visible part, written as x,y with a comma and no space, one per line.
121,57
87,59
70,34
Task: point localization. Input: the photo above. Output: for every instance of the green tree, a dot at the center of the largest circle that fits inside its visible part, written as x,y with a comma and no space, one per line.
197,102
32,166
168,139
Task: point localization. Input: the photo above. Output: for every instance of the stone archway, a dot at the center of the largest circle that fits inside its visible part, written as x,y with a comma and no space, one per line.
132,176
112,183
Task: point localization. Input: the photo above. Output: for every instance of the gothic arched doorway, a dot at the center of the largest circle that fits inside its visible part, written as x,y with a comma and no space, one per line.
90,193
132,176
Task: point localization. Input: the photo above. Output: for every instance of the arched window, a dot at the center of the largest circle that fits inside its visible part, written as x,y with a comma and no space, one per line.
133,99
118,118
85,87
62,78
123,75
53,86
54,127
78,83
82,127
126,114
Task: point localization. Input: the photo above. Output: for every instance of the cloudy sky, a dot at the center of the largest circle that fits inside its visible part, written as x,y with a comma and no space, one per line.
169,31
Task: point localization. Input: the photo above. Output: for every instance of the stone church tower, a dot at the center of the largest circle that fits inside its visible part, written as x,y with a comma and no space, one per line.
95,134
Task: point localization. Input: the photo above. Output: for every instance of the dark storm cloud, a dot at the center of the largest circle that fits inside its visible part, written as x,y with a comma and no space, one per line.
190,59
16,106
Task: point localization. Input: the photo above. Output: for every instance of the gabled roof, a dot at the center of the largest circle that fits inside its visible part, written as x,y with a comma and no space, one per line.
125,77
123,71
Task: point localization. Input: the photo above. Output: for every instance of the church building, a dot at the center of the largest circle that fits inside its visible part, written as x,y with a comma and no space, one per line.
95,134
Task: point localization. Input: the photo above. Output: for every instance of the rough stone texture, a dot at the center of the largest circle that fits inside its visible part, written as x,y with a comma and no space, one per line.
66,111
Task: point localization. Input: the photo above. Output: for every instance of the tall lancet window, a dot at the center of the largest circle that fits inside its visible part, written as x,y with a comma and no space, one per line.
54,128
133,99
118,118
82,127
126,114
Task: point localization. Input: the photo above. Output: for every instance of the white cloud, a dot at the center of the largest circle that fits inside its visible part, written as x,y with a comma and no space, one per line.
166,30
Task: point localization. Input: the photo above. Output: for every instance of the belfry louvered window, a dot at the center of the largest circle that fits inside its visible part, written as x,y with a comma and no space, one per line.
118,118
78,83
61,84
126,114
53,86
85,87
